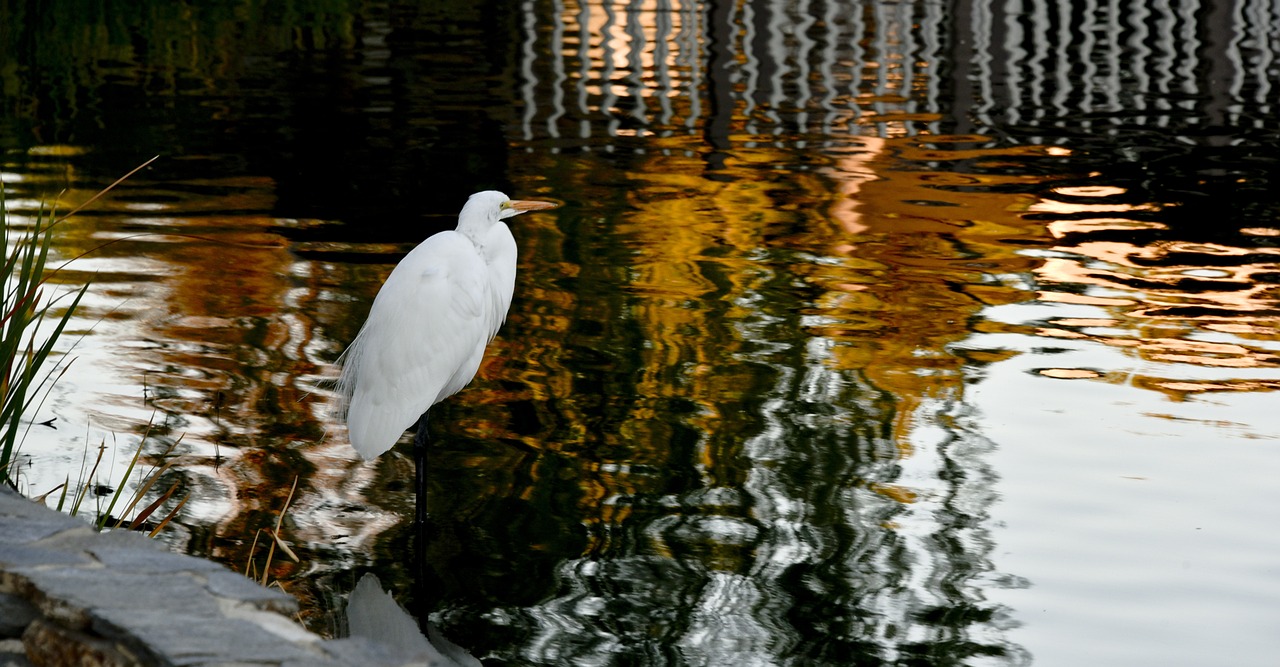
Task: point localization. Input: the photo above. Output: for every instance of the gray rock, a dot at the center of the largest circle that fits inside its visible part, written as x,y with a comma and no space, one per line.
13,504
51,644
83,537
20,555
80,597
15,614
13,653
24,530
120,558
359,651
227,584
70,594
192,639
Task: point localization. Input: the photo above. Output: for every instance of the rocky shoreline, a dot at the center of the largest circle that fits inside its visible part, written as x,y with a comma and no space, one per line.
70,595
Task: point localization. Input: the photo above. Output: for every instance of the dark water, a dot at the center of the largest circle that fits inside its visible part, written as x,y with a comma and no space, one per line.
867,333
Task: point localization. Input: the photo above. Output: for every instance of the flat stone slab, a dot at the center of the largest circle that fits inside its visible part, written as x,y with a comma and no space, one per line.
70,595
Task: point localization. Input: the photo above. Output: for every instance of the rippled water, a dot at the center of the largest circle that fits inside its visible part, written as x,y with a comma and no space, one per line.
885,333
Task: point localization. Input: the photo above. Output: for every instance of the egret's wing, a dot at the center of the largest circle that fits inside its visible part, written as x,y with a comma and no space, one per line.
500,253
423,341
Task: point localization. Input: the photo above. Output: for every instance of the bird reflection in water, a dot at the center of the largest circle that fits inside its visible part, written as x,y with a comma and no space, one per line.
373,615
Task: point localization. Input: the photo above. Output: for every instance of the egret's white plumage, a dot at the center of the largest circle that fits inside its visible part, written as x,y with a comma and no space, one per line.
429,325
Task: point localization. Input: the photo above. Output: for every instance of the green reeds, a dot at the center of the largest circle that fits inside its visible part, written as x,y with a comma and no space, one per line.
30,326
105,518
29,329
150,479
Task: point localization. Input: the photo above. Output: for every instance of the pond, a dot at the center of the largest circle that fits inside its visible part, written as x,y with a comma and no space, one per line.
866,333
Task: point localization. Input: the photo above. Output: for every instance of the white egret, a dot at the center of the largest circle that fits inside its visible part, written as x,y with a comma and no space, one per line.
429,325
425,336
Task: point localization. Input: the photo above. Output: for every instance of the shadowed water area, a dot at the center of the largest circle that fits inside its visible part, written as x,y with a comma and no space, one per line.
883,333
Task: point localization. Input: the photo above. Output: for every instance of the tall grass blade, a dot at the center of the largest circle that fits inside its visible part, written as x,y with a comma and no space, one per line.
147,511
102,520
266,569
169,517
62,498
248,564
86,482
152,476
44,496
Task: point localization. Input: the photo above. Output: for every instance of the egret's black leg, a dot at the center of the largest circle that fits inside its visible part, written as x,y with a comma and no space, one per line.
422,573
420,477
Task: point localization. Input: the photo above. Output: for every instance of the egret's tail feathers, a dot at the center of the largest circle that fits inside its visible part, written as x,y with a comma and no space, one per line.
375,427
373,439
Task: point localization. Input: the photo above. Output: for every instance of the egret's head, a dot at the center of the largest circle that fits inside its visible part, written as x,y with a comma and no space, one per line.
485,208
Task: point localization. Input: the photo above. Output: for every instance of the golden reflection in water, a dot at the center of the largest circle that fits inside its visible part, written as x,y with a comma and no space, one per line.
774,307
1189,307
754,285
918,249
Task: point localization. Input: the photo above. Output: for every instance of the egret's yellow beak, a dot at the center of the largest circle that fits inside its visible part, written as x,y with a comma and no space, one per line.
525,205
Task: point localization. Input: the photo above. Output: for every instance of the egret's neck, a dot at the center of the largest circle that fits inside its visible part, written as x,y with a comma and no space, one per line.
475,223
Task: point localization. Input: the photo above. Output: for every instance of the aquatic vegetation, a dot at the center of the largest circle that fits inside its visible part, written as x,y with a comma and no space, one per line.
33,320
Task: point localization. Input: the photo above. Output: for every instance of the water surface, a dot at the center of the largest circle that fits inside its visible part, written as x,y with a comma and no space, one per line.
884,333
